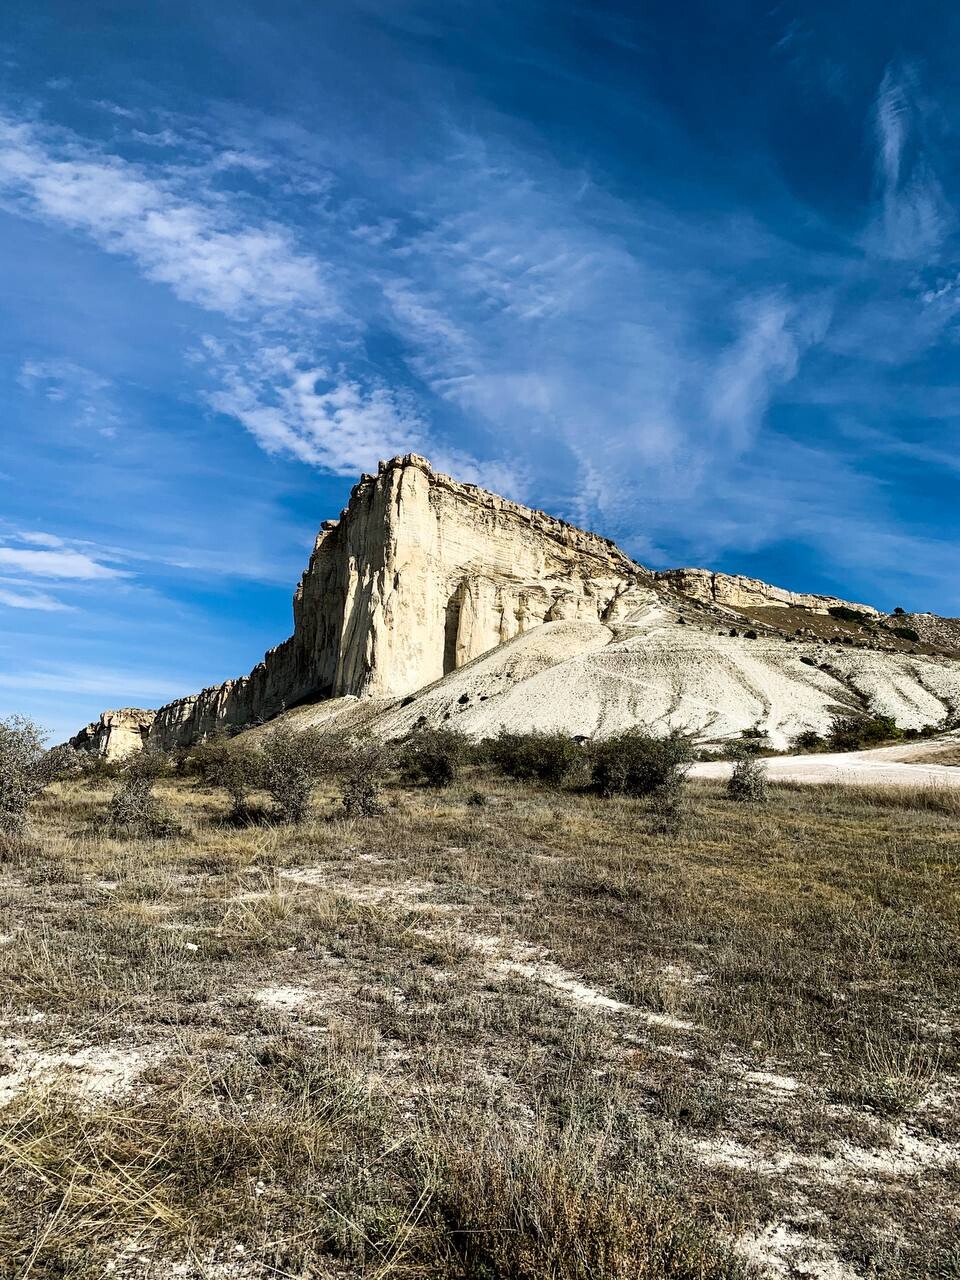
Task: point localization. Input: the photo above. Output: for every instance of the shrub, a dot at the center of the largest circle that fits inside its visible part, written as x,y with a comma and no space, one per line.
665,804
636,763
907,633
365,767
548,758
134,809
432,757
808,740
751,634
233,766
853,732
847,615
288,765
26,768
752,741
748,781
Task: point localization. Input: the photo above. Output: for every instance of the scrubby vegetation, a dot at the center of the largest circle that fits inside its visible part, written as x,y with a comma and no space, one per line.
27,768
845,614
748,780
547,758
501,1029
637,763
135,809
433,757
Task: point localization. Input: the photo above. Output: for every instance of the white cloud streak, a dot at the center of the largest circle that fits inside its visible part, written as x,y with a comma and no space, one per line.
915,214
201,249
63,564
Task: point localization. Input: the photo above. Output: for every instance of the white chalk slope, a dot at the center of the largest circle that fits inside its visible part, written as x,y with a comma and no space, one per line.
595,679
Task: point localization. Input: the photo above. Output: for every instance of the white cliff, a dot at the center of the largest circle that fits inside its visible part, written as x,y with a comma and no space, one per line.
421,576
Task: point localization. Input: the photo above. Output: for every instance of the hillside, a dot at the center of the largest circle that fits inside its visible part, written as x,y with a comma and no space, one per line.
431,601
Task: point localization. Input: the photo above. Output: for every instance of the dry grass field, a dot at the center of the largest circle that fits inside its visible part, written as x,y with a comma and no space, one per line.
497,1032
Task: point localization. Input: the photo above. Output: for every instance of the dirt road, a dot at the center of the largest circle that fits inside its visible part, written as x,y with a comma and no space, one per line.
905,765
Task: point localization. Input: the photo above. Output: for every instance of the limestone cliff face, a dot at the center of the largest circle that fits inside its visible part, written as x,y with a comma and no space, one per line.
745,593
422,574
419,575
116,734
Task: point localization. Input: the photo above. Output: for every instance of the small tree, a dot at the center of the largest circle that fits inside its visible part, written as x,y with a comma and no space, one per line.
231,765
366,765
289,765
26,769
748,781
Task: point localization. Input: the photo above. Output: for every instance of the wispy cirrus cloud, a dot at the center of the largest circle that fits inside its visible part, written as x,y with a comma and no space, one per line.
915,214
14,596
201,248
64,563
32,555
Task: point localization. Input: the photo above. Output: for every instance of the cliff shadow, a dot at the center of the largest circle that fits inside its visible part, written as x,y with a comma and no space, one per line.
451,629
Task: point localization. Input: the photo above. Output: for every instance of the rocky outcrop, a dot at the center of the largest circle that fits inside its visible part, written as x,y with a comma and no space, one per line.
422,576
419,575
930,628
737,592
116,734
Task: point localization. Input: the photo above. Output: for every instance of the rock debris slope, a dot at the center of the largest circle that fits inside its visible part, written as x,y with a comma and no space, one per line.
431,601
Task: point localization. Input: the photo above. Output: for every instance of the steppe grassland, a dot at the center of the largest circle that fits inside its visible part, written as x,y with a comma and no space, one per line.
519,1038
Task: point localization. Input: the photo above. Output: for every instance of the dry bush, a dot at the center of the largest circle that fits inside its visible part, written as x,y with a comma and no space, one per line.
26,769
748,781
636,763
233,766
134,809
531,1205
289,764
365,768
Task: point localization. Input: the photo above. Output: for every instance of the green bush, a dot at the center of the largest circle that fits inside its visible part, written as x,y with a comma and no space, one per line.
432,757
637,763
847,615
808,740
854,732
26,768
907,633
548,758
752,742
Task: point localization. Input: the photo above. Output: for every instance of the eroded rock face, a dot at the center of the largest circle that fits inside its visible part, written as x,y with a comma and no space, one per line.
422,575
419,575
116,734
738,592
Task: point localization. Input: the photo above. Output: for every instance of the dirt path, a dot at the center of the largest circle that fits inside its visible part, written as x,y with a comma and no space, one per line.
903,765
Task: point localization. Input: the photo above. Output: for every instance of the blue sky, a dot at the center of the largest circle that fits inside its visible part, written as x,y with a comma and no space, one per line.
688,275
